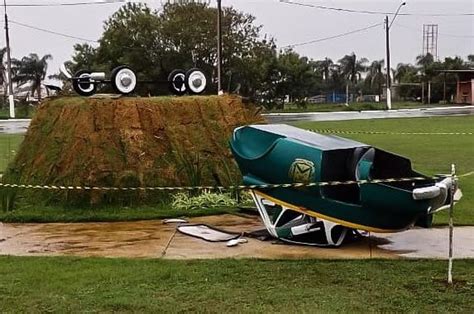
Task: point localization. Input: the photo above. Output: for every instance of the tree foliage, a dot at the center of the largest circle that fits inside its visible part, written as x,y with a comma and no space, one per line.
31,69
182,36
352,68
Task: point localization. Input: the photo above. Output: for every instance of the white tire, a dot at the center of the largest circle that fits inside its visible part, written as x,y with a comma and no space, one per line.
196,81
124,80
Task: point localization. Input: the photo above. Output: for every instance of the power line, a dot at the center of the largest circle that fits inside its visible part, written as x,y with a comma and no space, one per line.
64,4
323,7
52,32
332,37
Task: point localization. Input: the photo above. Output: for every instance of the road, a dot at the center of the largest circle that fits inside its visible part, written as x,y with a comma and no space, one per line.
370,114
14,126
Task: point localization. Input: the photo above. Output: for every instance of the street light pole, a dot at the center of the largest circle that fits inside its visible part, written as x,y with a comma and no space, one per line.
219,47
388,83
9,65
387,44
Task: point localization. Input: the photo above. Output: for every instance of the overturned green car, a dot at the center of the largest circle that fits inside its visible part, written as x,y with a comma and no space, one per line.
323,215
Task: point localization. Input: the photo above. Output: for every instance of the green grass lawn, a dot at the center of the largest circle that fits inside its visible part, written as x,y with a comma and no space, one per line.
42,214
352,107
9,144
21,112
430,154
47,284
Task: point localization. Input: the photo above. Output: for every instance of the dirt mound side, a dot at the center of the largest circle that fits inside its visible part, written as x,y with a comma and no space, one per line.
131,142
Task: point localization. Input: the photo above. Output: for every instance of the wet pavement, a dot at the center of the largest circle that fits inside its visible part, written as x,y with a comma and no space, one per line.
14,126
369,114
154,239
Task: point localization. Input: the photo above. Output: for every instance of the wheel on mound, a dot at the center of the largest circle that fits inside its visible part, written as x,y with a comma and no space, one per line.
82,83
176,82
196,81
124,80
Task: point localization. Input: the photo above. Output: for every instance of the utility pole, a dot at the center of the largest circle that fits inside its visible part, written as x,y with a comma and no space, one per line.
387,43
9,65
389,81
219,47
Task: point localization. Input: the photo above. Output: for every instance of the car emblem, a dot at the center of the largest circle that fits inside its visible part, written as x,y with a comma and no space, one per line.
302,171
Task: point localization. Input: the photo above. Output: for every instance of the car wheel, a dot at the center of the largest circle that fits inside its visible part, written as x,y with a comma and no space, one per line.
196,81
82,84
124,80
176,82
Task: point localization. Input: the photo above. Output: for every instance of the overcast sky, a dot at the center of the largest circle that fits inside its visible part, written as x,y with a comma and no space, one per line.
288,24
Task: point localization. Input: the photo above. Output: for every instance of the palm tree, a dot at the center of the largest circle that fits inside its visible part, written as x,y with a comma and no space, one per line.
425,60
428,67
375,77
325,66
405,72
352,68
470,60
336,77
3,73
32,69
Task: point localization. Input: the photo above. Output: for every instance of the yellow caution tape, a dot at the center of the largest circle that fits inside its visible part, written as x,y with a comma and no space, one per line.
466,174
214,188
328,131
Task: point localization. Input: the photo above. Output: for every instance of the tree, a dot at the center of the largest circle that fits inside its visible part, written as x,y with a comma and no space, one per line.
3,51
325,66
406,72
375,77
297,78
3,74
131,36
183,36
470,61
31,69
84,58
425,60
352,68
428,66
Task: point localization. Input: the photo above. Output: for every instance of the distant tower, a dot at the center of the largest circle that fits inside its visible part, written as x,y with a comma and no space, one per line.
430,40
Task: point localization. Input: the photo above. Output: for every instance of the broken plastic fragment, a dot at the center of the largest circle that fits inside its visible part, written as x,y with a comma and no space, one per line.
175,221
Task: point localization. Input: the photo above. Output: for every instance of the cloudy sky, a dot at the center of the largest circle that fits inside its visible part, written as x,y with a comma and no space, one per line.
288,23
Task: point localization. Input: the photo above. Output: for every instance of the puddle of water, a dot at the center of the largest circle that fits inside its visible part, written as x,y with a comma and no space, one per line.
149,239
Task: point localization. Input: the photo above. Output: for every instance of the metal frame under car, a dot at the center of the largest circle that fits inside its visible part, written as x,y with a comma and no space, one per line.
124,81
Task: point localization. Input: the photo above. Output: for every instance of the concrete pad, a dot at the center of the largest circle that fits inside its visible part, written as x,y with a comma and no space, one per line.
154,239
431,243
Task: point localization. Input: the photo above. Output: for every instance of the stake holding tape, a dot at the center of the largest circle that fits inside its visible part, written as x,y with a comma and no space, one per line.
451,226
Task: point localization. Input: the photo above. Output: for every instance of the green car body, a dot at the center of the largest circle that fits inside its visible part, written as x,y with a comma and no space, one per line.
278,154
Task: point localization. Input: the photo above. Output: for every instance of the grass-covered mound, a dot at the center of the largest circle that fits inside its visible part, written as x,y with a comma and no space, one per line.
164,141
